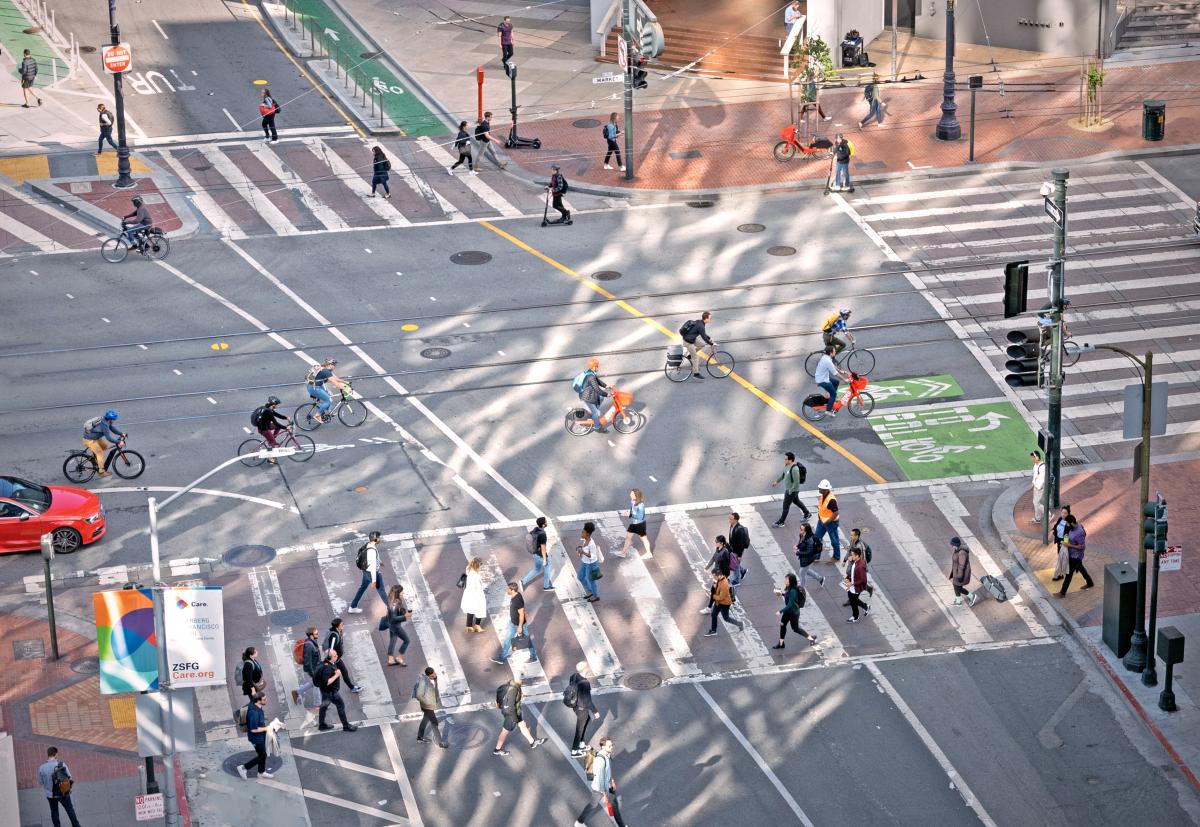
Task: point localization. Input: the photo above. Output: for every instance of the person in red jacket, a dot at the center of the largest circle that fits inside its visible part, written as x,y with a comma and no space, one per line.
856,584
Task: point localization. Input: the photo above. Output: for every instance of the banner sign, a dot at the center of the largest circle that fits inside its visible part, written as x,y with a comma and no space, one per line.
195,628
128,649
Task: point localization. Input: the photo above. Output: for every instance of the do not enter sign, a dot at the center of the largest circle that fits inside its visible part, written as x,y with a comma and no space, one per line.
117,58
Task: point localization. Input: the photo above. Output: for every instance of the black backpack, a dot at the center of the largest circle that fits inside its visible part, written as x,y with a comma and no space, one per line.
361,561
500,693
688,328
802,470
256,417
571,695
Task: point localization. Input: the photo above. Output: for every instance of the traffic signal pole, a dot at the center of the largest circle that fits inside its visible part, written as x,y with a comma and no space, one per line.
1135,659
1054,414
627,36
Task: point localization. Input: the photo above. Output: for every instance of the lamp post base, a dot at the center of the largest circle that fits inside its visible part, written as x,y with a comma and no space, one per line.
1135,658
1150,676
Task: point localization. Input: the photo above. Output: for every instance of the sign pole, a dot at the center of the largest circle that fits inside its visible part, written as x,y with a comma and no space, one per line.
47,556
124,179
1135,658
170,799
1057,290
1150,673
627,36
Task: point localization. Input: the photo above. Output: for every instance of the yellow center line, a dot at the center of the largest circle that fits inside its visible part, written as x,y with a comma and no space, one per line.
763,396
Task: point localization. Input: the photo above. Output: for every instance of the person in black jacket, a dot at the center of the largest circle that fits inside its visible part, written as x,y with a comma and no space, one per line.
558,188
585,708
380,167
398,612
692,331
593,391
487,144
335,641
807,553
739,544
789,615
270,422
328,680
252,674
462,142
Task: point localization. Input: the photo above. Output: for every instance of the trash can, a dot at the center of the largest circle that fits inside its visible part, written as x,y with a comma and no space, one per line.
1120,606
1154,120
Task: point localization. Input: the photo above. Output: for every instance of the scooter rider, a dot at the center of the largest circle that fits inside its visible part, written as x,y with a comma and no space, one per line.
557,189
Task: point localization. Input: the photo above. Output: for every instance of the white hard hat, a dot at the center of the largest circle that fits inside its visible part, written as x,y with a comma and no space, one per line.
824,485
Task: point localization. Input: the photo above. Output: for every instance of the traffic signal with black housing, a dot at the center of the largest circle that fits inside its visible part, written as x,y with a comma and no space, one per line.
1016,288
1024,358
1154,525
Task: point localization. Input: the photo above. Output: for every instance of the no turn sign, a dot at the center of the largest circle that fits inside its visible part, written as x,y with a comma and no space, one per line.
116,58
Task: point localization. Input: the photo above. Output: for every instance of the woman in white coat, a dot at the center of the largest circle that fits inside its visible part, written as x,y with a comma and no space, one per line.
474,601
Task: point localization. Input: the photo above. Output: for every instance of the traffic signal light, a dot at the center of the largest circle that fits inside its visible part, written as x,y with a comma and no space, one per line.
1154,525
650,38
1024,358
1016,288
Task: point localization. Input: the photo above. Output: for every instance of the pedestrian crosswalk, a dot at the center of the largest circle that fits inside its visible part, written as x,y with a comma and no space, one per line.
1133,260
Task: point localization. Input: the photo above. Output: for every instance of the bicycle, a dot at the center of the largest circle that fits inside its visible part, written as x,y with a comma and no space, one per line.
718,362
151,243
786,149
303,448
350,412
80,466
854,359
857,401
625,420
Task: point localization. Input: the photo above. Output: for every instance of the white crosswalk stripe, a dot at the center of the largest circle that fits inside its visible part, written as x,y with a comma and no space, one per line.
214,212
597,648
291,181
883,610
382,207
488,195
249,189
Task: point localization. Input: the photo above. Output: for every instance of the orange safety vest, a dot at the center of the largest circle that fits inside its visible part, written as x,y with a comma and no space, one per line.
824,513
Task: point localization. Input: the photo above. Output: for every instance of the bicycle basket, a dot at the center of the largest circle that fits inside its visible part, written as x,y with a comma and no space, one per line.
624,398
580,413
674,355
816,400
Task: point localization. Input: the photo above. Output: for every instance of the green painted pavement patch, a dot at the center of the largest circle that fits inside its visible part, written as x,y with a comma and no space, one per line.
399,104
14,40
893,391
957,440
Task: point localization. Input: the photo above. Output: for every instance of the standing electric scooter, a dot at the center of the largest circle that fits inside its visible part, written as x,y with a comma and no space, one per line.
546,222
514,140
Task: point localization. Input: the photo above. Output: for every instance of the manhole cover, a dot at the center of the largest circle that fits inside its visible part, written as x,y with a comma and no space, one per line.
586,123
701,205
781,251
87,50
31,30
750,228
642,680
684,155
471,257
230,764
606,275
249,556
435,352
288,617
86,666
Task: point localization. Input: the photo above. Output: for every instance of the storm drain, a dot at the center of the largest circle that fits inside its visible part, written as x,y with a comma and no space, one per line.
370,55
642,680
435,352
471,257
1072,461
288,617
585,123
248,557
701,205
750,228
86,666
606,275
781,251
685,155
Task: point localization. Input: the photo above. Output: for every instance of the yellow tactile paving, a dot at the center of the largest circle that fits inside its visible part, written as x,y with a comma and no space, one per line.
21,168
106,164
124,713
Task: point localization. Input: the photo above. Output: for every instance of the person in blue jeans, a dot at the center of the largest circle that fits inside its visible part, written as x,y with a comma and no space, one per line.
55,797
841,157
590,559
827,518
874,103
318,376
828,376
517,621
371,574
541,556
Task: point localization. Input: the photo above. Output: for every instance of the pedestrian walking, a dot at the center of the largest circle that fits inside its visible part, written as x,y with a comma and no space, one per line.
578,696
541,556
253,681
517,622
28,71
430,699
843,151
106,128
812,93
398,613
1038,481
611,132
793,601
380,168
855,584
721,596
508,701
462,142
336,641
875,103
722,561
793,476
486,145
474,599
328,680
268,107
505,31
590,558
739,544
56,781
1061,558
864,550
827,519
637,524
603,786
310,655
960,571
367,562
1076,543
808,551
557,187
256,734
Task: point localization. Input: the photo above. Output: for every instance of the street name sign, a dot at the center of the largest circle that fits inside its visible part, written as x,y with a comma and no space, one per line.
607,79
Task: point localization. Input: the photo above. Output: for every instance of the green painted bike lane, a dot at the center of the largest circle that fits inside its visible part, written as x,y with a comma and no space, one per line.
894,391
15,41
399,104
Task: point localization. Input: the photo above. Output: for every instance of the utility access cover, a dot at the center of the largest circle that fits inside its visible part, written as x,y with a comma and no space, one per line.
956,440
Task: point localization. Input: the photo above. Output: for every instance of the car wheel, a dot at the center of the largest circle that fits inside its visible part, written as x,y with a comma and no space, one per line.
66,540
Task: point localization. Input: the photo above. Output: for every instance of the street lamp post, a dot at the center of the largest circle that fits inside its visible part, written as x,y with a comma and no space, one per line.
627,35
1054,403
124,179
948,128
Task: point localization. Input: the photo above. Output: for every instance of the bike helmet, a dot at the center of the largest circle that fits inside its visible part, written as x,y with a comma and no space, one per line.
593,363
330,362
844,312
273,400
110,415
137,200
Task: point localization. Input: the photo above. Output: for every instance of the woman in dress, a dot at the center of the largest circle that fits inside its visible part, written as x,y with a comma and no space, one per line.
474,601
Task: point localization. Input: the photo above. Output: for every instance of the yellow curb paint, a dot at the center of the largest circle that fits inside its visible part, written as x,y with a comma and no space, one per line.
409,328
220,346
22,168
761,395
106,164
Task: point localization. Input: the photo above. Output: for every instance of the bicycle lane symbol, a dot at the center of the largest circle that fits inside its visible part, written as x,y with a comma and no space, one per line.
955,440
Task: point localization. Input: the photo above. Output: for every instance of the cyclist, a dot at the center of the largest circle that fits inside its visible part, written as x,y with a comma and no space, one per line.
97,432
269,422
591,390
136,222
835,324
315,381
828,375
690,332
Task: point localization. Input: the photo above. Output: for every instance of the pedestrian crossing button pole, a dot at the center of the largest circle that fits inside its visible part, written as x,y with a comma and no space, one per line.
47,557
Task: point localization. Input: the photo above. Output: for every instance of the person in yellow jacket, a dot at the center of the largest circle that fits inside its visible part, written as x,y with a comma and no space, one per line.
827,518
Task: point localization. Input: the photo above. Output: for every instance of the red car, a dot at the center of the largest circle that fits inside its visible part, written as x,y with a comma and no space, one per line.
27,511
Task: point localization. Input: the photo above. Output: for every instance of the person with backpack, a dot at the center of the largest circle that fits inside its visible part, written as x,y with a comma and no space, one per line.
960,571
474,599
508,701
611,132
486,143
578,696
250,674
397,614
793,601
518,622
721,561
540,554
793,476
106,127
268,107
590,558
327,679
380,167
28,70
557,187
808,552
691,331
843,151
314,383
855,584
721,596
367,561
56,782
98,432
603,787
335,641
591,390
269,422
256,734
310,661
430,700
864,549
874,103
739,544
462,142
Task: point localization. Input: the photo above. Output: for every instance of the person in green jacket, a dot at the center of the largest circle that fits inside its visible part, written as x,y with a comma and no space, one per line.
793,476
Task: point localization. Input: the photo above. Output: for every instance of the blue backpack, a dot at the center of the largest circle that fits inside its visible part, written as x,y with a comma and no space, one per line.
578,382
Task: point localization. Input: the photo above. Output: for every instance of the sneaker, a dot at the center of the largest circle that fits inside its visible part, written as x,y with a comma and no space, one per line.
710,634
242,773
645,555
777,524
608,166
622,169
1088,586
476,172
499,660
324,727
500,752
451,171
958,601
591,598
266,775
777,646
866,610
577,753
444,744
972,600
705,610
537,743
354,610
822,580
697,376
548,588
295,697
424,740
852,620
356,689
350,728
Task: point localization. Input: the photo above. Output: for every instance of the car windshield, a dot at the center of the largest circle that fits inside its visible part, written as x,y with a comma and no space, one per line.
27,493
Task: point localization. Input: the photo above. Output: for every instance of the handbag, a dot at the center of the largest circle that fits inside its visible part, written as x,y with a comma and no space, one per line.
595,574
383,623
462,580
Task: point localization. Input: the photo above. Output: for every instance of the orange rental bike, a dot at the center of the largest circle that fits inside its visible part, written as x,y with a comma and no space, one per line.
857,401
623,418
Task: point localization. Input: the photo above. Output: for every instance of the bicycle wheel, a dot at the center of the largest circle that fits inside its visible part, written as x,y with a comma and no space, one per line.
352,413
114,250
1070,352
575,425
785,151
305,447
680,372
157,247
626,422
812,414
306,417
79,467
860,361
810,364
720,365
249,447
861,405
128,465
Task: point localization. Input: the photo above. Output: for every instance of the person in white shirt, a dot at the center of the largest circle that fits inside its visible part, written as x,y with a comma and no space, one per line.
371,574
603,787
590,559
1039,486
828,375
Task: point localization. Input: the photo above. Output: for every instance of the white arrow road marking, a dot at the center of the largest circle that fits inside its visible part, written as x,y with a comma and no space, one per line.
992,418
